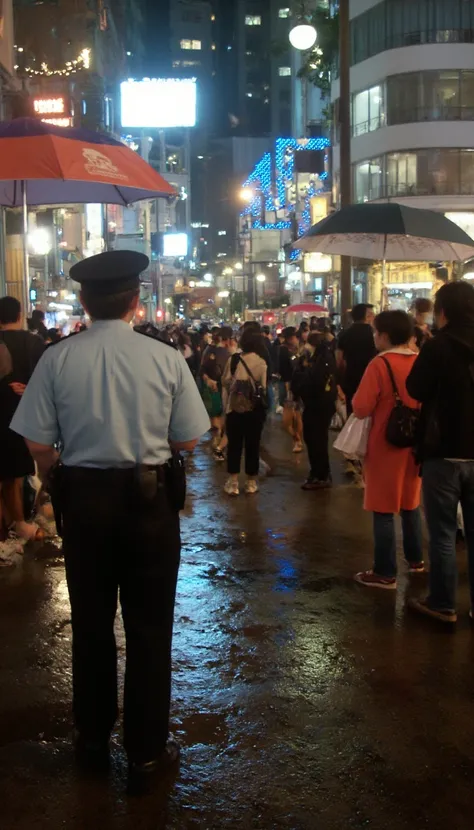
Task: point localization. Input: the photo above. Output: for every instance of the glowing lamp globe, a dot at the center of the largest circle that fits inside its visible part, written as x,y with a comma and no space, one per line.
303,36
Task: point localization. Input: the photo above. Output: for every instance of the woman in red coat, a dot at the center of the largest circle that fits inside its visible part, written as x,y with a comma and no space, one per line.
392,481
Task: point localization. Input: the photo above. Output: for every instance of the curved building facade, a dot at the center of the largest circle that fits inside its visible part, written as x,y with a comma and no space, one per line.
412,105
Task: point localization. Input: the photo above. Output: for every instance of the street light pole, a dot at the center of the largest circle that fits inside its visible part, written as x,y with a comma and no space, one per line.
345,143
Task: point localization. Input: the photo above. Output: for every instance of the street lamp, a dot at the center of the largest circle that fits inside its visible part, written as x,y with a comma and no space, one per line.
303,36
246,194
40,241
260,278
168,301
238,266
208,277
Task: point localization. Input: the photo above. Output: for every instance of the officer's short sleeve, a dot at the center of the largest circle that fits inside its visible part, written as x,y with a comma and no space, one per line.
189,419
35,417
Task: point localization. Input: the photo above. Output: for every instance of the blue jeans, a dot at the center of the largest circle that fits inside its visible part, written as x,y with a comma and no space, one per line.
385,543
445,484
270,396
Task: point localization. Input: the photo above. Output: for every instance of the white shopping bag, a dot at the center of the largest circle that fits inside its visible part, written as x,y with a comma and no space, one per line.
353,438
340,416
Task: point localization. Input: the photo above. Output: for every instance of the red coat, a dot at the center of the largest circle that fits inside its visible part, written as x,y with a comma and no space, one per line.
392,481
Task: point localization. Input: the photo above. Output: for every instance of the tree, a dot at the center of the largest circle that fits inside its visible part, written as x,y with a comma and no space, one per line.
318,62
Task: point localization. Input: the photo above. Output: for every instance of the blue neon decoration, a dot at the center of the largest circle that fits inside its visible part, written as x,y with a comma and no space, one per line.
261,176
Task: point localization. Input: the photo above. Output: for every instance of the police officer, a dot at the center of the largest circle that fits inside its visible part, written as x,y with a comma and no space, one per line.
119,403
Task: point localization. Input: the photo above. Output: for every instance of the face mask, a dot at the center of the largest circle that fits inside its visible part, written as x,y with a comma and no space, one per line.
429,319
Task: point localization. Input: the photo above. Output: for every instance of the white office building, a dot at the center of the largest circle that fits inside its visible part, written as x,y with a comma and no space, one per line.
412,110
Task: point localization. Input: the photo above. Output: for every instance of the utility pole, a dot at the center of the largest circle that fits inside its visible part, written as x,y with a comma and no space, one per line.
345,144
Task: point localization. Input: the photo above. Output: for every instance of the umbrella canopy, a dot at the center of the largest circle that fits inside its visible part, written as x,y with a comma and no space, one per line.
388,231
62,165
306,308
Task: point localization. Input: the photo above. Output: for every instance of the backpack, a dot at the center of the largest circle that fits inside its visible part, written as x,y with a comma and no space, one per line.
315,380
403,423
245,395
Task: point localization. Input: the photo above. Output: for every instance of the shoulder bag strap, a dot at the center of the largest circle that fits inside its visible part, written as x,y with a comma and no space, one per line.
234,362
392,378
247,369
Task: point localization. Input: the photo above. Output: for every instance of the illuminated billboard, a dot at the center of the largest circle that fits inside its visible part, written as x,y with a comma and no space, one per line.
158,103
175,244
53,110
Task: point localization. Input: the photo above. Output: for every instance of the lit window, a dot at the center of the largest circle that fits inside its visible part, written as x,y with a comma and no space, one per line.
248,94
190,44
284,13
284,71
253,20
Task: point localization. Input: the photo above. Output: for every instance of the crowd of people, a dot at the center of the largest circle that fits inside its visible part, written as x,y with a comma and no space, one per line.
423,362
304,375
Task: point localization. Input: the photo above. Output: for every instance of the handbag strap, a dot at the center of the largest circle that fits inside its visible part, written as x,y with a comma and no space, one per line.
392,378
247,370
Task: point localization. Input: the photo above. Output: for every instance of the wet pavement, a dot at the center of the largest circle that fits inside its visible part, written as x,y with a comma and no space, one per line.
301,699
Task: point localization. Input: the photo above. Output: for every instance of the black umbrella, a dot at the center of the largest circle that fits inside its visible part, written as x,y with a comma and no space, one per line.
388,231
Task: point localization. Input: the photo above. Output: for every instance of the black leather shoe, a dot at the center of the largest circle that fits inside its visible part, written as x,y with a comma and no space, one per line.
143,778
92,757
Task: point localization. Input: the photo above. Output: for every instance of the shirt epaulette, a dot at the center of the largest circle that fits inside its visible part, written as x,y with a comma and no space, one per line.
149,331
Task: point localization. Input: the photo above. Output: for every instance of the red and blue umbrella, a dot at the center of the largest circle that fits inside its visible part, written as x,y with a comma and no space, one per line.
41,164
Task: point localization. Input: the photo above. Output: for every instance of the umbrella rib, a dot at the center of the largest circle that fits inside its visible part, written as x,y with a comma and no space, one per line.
59,166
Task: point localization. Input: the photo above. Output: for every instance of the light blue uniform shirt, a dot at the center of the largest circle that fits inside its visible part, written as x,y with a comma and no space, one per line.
113,398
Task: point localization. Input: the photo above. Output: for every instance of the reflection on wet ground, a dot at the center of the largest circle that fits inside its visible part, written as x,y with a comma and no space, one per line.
301,699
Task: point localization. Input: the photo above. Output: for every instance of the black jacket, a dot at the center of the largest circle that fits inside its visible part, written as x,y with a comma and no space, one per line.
275,356
442,378
287,360
314,379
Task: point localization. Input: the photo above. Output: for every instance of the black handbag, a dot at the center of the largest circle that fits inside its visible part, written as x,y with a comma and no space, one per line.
259,393
403,423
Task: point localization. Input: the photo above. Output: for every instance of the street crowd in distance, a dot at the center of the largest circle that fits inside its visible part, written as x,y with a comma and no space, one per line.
313,378
406,381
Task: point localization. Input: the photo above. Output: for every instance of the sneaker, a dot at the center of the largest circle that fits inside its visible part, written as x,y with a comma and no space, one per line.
350,469
416,567
219,455
421,606
231,487
251,487
264,469
315,484
297,446
279,410
371,580
310,484
48,525
11,552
